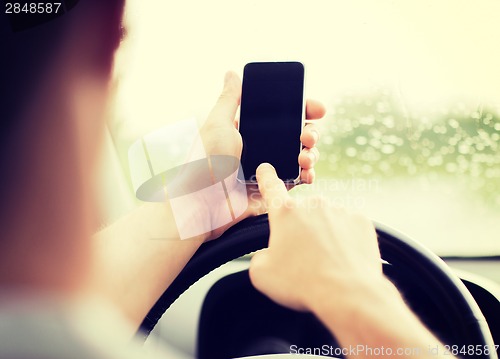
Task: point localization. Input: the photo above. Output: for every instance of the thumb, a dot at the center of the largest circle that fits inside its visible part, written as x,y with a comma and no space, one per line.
224,110
272,189
258,269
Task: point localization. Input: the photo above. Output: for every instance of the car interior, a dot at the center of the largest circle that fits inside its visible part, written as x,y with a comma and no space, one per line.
411,138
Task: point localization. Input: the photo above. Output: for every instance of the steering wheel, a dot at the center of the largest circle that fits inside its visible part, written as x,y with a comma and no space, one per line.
420,275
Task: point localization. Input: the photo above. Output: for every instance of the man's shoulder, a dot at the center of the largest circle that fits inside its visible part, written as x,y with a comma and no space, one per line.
55,329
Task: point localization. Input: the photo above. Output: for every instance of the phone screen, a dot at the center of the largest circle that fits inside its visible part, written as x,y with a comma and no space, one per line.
272,117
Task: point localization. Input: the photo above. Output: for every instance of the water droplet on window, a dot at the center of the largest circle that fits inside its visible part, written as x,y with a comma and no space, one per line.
361,140
463,148
382,107
375,143
451,167
435,161
366,169
351,152
387,149
328,140
367,120
453,123
388,121
479,146
384,166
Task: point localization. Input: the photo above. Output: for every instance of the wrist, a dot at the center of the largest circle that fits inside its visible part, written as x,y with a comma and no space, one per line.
347,298
374,315
160,222
206,200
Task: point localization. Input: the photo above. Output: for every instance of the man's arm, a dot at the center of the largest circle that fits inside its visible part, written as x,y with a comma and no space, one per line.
373,319
138,257
326,260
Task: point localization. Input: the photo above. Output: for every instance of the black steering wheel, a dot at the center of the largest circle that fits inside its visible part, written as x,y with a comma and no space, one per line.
423,279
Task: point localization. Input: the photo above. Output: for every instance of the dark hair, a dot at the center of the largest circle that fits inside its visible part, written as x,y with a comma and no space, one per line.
26,54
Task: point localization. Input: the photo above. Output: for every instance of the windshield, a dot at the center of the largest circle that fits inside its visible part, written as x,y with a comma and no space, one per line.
412,89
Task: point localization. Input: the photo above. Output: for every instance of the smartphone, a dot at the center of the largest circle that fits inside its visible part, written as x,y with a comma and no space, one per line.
272,116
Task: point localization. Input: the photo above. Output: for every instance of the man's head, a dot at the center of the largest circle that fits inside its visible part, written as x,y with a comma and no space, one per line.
91,29
54,84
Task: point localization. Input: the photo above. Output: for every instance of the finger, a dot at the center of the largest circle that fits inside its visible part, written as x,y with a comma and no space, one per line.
224,110
308,157
271,188
314,110
258,265
310,135
307,176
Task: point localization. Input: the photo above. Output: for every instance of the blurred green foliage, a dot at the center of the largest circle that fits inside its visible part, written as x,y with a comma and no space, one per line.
375,136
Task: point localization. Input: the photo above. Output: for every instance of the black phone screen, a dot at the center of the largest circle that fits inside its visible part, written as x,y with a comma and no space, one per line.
271,118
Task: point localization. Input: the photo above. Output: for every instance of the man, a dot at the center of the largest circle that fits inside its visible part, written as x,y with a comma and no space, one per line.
65,292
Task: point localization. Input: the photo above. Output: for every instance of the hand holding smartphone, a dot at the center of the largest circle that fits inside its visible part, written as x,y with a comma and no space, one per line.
272,116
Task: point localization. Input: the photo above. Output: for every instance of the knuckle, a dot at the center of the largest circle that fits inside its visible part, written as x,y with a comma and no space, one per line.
316,153
256,268
320,200
313,130
361,220
339,211
228,95
289,204
314,203
307,175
